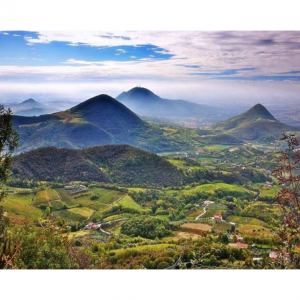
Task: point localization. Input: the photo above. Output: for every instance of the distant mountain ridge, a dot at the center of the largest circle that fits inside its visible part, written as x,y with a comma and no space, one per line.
144,102
29,107
257,123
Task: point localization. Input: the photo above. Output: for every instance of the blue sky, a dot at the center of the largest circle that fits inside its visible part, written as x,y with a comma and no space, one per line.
120,60
16,50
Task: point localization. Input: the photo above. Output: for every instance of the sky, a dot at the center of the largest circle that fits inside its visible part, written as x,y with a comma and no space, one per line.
201,66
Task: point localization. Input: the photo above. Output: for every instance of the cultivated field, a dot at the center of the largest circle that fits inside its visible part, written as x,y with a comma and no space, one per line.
195,227
128,202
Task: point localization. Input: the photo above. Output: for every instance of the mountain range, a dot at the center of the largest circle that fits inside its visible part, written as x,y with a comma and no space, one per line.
29,107
104,120
96,121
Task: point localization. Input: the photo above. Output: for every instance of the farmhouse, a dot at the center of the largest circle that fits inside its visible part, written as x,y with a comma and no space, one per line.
273,255
217,217
92,225
238,245
208,202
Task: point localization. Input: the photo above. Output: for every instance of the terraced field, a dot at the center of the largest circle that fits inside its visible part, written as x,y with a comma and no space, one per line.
195,227
212,212
216,206
113,217
141,248
57,205
82,211
221,227
269,192
195,213
66,198
41,197
212,188
255,231
45,196
105,198
20,204
246,220
128,202
66,214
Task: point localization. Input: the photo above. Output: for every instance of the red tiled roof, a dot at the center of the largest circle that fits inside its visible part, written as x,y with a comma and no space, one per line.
238,245
241,245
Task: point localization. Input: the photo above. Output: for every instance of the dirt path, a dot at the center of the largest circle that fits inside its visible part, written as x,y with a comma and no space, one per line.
256,198
111,204
90,216
110,233
204,211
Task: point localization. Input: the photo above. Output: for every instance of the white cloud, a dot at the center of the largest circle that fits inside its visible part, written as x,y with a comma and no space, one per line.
270,52
5,33
212,52
121,50
16,35
82,62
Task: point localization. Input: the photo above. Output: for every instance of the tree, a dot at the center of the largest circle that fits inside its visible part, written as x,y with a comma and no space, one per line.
289,203
8,143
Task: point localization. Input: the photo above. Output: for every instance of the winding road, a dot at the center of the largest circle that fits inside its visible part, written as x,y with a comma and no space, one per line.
204,211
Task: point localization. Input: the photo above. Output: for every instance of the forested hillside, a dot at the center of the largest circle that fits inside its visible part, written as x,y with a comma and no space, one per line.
120,164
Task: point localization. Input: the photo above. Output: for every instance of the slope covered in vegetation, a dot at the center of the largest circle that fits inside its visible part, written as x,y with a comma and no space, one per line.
121,164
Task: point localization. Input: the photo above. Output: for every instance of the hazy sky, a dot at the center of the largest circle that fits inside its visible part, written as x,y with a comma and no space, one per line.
207,67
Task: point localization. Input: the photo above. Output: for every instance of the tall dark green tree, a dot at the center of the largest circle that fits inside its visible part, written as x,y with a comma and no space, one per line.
8,142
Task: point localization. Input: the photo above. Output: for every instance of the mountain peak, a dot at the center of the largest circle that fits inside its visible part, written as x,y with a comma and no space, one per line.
141,90
108,113
138,93
257,124
259,111
29,101
95,102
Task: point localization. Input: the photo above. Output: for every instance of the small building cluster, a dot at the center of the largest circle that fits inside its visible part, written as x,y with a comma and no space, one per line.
276,254
74,189
93,226
268,184
208,202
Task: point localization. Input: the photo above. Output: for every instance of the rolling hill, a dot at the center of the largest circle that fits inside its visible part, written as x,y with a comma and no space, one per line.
96,121
120,164
256,124
144,102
